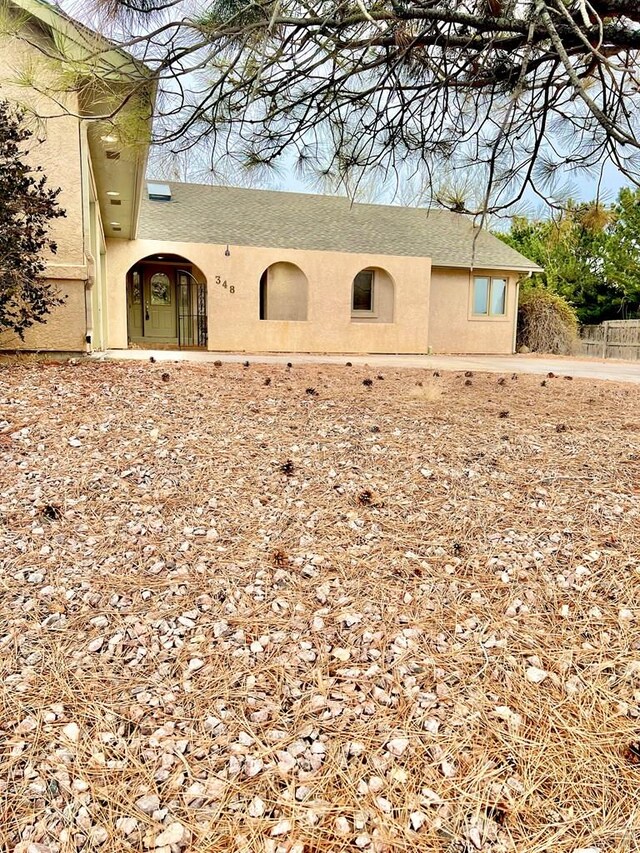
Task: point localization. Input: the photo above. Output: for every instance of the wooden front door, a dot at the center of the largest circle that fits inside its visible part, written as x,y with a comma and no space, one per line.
160,309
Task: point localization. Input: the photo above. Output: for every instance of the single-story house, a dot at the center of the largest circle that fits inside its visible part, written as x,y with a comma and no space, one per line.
150,263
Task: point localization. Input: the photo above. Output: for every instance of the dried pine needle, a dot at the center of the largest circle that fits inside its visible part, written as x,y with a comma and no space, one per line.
423,637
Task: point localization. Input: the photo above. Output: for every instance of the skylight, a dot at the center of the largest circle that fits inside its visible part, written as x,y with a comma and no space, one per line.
159,192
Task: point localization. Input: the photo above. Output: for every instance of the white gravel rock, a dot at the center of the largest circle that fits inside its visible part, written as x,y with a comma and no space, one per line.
448,769
29,724
256,807
397,746
536,675
474,837
252,766
149,803
342,827
281,828
71,732
173,834
126,825
341,654
384,804
417,819
98,835
195,792
212,723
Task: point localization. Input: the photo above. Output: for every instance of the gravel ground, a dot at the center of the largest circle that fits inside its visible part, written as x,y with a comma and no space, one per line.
317,609
586,368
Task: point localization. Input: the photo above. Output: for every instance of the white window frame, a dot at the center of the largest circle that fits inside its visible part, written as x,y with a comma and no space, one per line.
360,312
488,314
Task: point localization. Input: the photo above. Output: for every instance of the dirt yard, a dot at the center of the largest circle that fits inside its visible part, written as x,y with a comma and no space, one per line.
317,609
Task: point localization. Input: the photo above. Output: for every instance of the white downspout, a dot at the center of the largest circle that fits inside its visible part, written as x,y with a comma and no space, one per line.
88,257
88,299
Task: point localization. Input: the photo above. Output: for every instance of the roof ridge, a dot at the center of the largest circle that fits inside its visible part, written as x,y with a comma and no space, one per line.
307,195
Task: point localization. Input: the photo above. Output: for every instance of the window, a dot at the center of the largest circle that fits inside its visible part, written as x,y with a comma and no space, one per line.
372,296
362,299
489,296
136,288
160,289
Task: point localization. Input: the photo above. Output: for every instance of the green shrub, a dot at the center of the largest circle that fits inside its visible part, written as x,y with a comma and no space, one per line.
546,322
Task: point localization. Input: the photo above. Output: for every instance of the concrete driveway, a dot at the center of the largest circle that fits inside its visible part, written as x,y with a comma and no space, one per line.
616,371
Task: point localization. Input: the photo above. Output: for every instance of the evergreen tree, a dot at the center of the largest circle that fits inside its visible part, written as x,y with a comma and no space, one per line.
590,255
27,206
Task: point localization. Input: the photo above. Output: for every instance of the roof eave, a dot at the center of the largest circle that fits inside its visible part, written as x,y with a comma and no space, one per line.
506,267
141,168
117,59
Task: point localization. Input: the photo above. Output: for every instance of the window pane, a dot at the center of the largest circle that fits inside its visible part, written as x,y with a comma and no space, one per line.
183,293
481,295
498,295
363,291
160,289
136,289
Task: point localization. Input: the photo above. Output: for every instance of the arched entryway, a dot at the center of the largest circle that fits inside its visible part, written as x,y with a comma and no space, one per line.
167,303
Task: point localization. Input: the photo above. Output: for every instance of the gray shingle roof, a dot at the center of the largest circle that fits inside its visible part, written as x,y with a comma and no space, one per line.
204,214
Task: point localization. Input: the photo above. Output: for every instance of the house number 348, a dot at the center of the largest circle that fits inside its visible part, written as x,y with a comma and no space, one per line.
230,287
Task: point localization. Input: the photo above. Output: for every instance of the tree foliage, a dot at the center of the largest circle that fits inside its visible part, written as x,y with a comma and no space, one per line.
502,94
590,254
27,206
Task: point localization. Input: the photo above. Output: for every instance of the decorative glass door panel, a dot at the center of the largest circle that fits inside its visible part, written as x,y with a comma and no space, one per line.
160,310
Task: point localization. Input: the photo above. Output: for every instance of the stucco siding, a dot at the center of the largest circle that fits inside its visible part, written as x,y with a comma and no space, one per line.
64,328
234,317
59,153
452,326
64,162
286,293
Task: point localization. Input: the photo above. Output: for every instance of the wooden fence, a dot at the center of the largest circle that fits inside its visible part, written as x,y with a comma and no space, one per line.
612,339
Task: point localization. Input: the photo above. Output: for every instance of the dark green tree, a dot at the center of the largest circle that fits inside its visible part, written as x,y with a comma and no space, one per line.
622,251
590,255
27,206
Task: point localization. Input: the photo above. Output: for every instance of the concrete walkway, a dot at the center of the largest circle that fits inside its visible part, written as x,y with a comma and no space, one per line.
616,371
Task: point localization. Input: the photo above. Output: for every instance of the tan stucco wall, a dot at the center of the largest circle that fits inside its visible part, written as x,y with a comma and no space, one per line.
287,293
63,154
59,154
64,329
234,322
452,326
